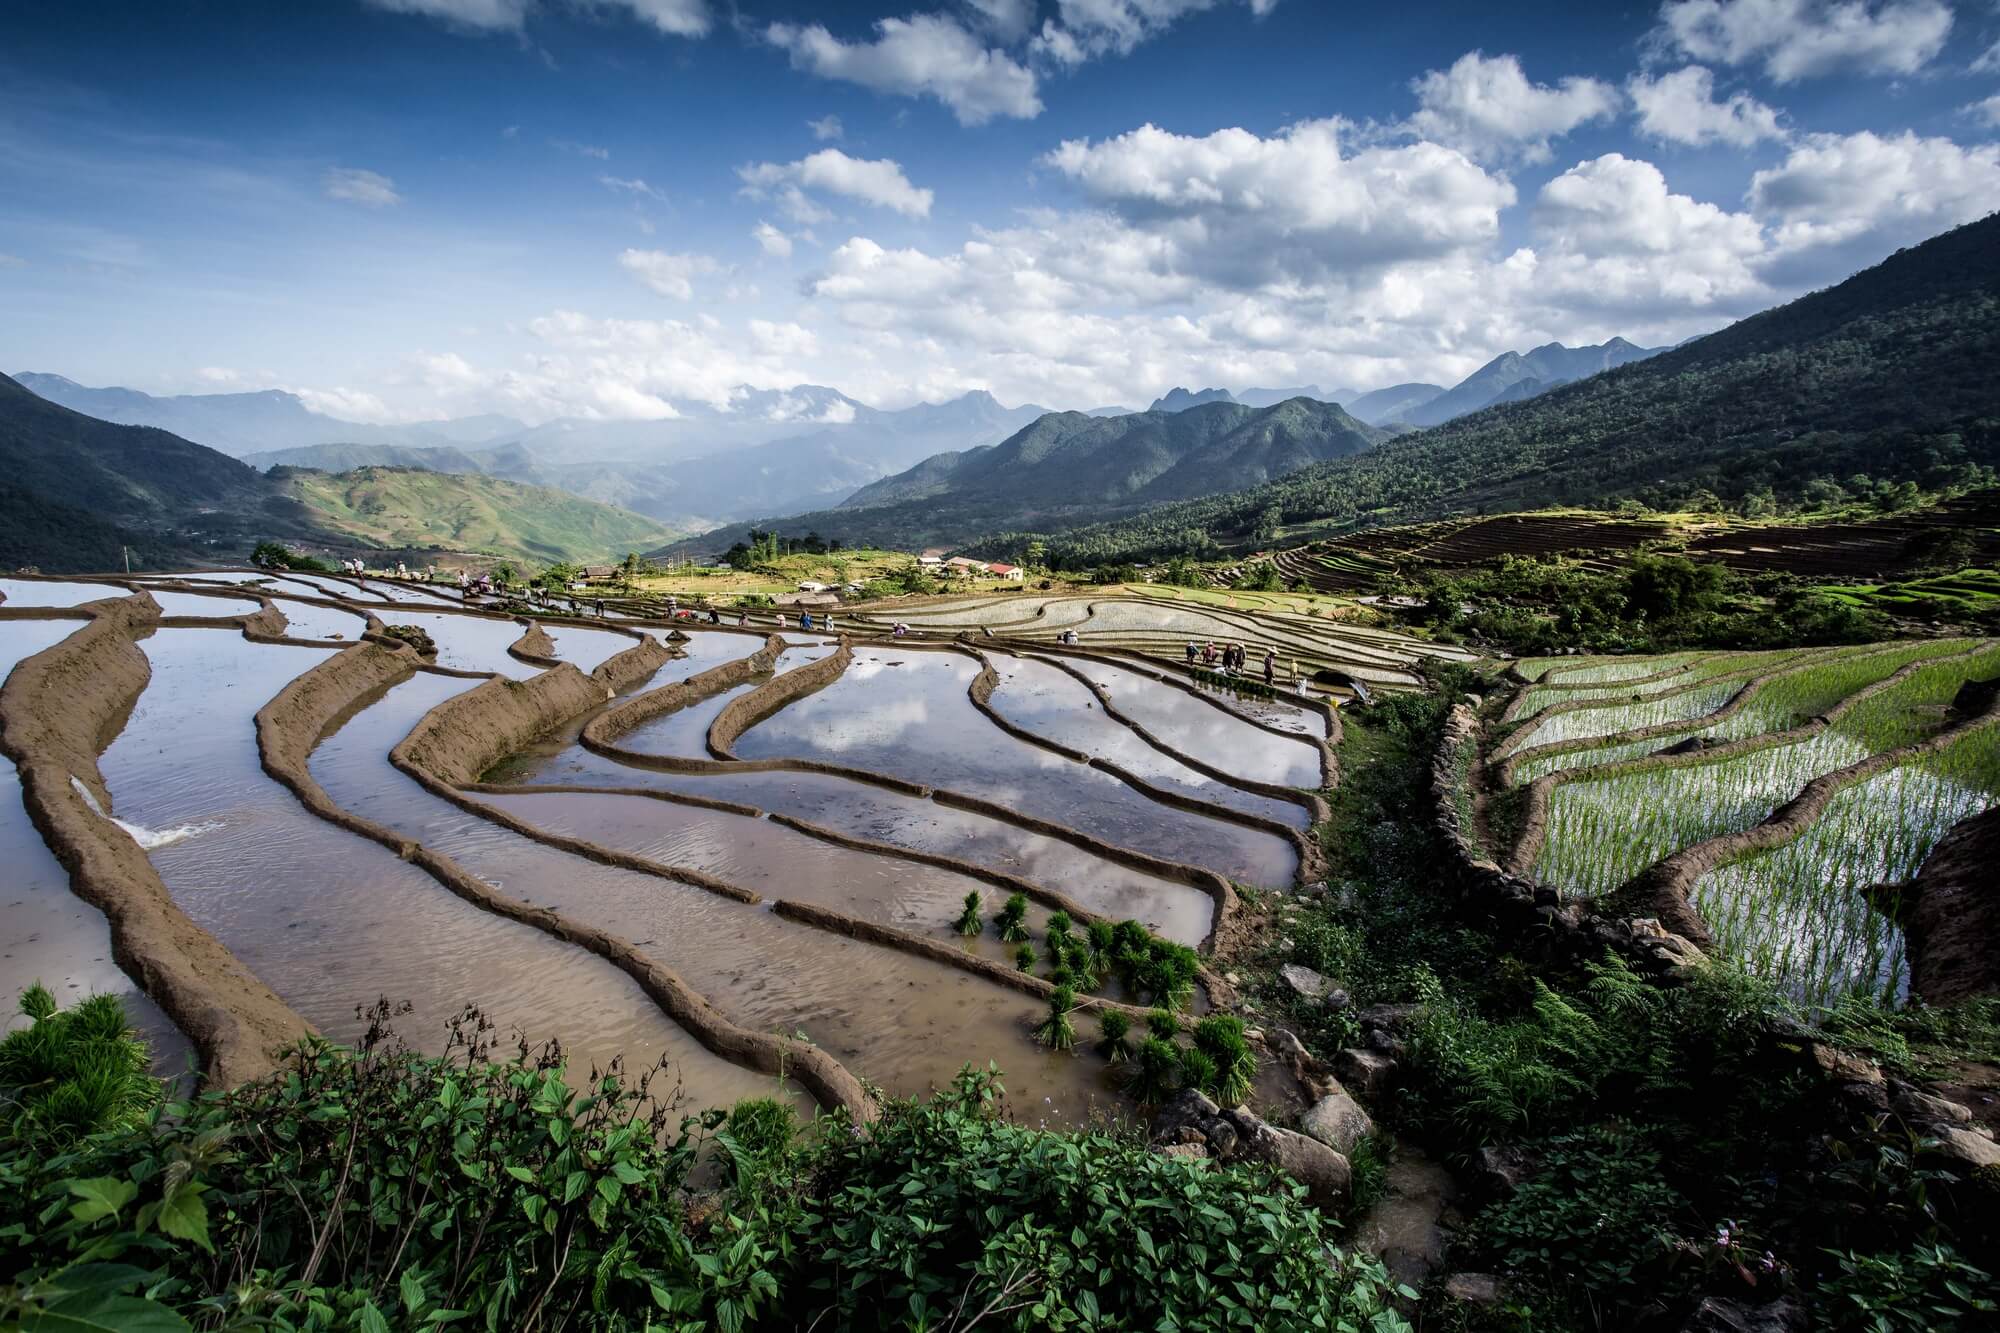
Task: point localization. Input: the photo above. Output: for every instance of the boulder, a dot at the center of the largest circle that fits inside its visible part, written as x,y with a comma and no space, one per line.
1503,1170
1920,1108
1338,1121
1717,1315
1368,1072
1190,1121
1304,981
1324,1172
1967,1147
1388,1017
1473,1288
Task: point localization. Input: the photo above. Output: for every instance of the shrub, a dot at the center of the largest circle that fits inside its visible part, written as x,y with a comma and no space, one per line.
1928,1287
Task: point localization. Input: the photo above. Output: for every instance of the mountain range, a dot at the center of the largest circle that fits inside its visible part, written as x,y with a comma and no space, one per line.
77,489
1068,467
1886,377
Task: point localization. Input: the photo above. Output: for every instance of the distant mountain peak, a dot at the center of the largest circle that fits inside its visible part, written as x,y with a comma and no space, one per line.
1180,400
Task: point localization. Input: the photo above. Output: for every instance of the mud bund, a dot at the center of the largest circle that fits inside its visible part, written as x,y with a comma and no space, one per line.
1950,914
58,710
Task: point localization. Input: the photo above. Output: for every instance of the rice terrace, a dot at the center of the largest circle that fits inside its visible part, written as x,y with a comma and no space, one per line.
1066,666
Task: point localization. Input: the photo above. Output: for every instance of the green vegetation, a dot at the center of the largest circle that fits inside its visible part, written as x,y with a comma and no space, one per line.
1672,1142
414,508
276,555
1968,596
72,1072
969,921
1011,923
1112,1027
375,1188
1868,379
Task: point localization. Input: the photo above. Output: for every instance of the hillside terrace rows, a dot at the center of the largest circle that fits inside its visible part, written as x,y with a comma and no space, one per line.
368,743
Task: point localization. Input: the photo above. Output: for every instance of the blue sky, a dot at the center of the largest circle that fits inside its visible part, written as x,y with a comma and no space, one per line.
627,208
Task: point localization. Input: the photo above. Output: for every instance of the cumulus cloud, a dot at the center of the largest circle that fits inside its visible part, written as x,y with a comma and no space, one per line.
671,275
1798,39
219,375
1615,236
925,55
826,129
879,181
1241,209
679,18
1839,202
774,242
1681,107
355,186
1486,107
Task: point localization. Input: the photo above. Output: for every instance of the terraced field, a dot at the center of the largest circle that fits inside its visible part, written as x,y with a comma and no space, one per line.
1755,801
1322,653
742,852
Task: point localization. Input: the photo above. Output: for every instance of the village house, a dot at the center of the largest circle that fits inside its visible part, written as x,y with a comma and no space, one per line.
960,567
1012,573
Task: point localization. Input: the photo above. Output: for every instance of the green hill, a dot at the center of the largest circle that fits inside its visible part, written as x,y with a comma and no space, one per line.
414,508
1066,468
1889,374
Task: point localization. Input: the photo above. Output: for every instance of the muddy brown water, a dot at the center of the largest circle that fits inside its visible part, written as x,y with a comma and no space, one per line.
907,713
904,1022
1055,705
331,921
1210,731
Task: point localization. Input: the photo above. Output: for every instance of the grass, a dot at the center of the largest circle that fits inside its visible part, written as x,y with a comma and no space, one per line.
1966,593
782,575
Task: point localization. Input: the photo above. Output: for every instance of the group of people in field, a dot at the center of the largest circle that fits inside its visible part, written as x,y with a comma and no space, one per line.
1231,658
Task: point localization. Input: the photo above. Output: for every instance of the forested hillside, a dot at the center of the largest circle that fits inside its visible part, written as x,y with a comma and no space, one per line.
1889,374
1071,467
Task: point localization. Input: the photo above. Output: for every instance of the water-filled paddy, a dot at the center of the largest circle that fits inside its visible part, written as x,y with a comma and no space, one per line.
35,592
906,1022
908,713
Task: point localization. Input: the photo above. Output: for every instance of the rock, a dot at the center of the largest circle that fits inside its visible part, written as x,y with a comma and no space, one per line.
1367,1071
1692,745
1191,1151
1842,1067
1222,1139
1304,981
1386,1043
1473,1288
1338,1121
1967,1147
1324,1172
1338,999
1920,1108
1503,1170
1185,1110
1716,1315
1388,1017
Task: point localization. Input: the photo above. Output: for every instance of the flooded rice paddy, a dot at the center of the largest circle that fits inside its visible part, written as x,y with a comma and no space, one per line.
332,921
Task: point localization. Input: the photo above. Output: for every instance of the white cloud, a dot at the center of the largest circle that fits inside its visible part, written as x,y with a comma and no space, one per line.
634,186
487,15
671,275
1840,202
1009,20
1797,39
353,185
1680,107
582,149
775,242
349,405
1243,210
1486,107
1086,29
1988,61
679,18
925,55
784,339
1617,237
1987,111
880,181
826,129
219,375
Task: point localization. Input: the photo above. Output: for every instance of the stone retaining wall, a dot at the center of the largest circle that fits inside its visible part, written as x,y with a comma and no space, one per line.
1950,914
58,710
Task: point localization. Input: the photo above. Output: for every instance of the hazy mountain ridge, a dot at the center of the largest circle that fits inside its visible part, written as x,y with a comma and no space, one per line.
1070,464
